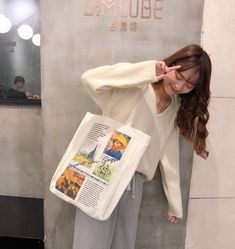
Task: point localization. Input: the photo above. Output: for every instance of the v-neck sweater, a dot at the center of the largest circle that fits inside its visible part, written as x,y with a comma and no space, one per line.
116,90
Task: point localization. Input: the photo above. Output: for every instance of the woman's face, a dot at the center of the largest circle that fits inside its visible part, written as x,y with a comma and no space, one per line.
177,82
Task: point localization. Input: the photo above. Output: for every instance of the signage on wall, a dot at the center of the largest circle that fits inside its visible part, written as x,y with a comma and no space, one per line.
136,10
11,46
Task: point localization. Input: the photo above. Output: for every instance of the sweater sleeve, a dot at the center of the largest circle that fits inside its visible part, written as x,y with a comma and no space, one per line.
169,167
104,82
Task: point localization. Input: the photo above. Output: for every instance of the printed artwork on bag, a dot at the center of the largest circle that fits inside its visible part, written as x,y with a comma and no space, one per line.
98,157
112,153
104,170
85,156
117,145
70,182
96,161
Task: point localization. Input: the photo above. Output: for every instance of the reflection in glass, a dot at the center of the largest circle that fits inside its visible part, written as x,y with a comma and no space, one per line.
20,57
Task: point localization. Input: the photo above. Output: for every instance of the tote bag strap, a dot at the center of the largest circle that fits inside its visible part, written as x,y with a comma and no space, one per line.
136,109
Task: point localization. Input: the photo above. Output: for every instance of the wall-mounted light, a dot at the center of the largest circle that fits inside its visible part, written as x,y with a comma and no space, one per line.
36,40
5,24
25,31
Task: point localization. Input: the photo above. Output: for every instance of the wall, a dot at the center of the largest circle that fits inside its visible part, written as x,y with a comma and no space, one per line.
212,199
72,43
21,152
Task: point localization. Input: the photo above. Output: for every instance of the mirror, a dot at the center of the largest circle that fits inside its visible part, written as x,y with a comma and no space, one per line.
20,51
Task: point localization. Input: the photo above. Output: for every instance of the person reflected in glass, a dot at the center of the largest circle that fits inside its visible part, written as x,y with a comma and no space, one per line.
16,90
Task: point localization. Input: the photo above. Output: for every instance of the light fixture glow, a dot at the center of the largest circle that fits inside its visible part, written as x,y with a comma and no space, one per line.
22,9
5,24
25,31
36,40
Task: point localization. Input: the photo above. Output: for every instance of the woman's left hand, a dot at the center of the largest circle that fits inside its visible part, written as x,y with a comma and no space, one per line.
173,219
161,69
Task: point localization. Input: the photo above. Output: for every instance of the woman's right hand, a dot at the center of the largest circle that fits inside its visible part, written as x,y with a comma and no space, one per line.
173,219
161,69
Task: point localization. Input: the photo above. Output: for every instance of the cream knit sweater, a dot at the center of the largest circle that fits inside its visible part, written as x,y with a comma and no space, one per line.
116,89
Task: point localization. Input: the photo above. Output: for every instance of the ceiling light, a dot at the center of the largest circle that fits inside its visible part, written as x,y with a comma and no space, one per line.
5,24
25,31
36,40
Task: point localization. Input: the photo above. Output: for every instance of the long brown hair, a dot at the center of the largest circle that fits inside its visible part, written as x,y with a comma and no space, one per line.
193,114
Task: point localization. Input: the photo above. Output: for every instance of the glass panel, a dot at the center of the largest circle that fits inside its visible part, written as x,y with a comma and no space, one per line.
19,51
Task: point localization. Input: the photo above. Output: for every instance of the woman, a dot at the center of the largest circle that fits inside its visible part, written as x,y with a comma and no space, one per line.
175,103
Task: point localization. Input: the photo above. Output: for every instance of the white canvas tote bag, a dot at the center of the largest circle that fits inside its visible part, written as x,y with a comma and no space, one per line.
99,163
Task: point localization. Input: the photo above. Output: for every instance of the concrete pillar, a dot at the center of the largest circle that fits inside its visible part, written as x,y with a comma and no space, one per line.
74,40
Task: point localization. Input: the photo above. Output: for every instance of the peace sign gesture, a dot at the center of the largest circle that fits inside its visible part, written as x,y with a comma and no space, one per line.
161,69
